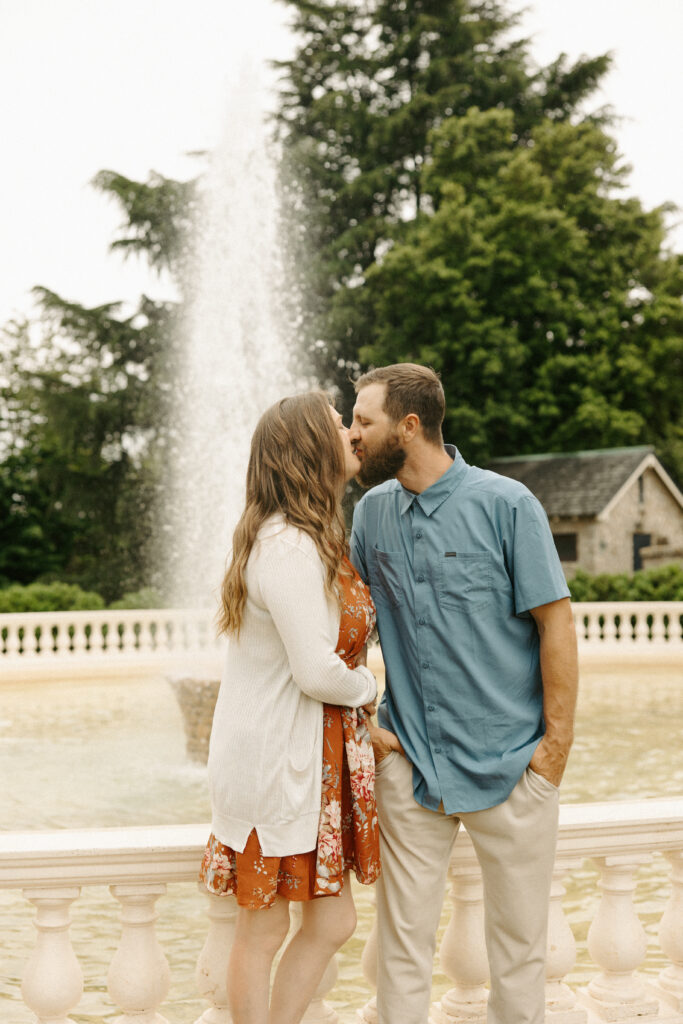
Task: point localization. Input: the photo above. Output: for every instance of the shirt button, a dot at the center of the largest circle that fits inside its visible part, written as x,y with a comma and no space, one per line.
425,664
419,534
430,707
437,750
420,578
422,622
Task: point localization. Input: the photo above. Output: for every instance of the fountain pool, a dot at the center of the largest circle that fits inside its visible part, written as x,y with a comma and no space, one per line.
112,753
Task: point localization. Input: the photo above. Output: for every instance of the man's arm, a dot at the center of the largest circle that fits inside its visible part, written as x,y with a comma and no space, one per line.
560,673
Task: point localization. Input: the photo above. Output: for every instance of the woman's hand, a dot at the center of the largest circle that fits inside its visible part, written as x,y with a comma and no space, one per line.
362,658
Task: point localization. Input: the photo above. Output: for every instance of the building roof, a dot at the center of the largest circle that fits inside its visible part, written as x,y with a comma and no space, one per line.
578,483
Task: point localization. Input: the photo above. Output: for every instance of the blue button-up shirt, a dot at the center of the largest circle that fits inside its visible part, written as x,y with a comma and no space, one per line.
453,572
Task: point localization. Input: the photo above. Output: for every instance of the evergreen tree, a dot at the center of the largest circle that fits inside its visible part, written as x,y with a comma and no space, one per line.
543,298
368,84
84,415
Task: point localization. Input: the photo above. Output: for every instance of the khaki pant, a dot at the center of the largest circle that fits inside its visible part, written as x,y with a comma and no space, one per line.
515,843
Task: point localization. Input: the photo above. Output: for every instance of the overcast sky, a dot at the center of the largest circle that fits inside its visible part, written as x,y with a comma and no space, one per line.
134,85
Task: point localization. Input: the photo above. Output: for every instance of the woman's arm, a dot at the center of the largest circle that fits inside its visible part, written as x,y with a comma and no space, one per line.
292,587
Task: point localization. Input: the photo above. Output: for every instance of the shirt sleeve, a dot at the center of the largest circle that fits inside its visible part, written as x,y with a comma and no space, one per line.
358,541
292,588
534,564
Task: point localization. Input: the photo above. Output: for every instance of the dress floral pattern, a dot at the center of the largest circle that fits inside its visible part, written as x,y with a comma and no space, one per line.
348,831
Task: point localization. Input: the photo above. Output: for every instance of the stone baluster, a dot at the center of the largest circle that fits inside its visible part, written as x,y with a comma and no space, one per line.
123,636
593,634
79,642
617,943
46,639
318,1011
368,963
139,975
669,984
463,951
13,643
212,965
30,643
165,636
145,636
560,1001
58,639
642,630
658,626
609,630
53,980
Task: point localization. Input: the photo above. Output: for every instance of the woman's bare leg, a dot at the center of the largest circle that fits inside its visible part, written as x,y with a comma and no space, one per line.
258,936
327,922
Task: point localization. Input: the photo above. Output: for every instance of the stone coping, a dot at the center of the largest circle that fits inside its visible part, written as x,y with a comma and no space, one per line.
172,853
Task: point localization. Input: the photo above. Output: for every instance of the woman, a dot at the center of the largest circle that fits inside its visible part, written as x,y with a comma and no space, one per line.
290,765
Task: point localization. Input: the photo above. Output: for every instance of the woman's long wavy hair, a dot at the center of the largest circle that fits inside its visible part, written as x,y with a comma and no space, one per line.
296,468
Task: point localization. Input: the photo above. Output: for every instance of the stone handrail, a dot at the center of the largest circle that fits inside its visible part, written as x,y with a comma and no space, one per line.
629,622
143,631
139,863
157,633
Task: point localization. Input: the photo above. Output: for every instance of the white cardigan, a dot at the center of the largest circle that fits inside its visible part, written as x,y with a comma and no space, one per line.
265,756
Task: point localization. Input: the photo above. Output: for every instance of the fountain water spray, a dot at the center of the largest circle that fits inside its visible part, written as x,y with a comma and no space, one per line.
235,356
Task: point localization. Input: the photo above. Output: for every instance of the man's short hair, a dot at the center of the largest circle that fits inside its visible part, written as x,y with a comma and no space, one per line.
410,389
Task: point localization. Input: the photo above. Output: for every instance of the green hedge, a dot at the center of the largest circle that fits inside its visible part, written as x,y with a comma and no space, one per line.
662,584
67,597
48,597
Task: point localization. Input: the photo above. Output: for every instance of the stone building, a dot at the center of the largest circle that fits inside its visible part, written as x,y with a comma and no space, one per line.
612,510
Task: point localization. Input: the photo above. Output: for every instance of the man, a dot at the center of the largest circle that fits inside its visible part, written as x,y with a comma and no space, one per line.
476,721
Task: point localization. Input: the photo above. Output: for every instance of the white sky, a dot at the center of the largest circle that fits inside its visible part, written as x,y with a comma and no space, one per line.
133,85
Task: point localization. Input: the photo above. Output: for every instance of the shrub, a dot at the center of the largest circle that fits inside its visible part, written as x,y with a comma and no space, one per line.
48,597
665,583
148,597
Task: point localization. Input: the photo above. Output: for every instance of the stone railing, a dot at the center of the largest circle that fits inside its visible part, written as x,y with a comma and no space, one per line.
629,623
144,631
65,644
44,635
139,864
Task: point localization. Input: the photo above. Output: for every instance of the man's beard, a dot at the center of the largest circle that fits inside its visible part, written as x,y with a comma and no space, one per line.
382,464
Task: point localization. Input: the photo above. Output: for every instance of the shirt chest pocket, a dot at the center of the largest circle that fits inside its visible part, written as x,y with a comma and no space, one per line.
387,572
466,580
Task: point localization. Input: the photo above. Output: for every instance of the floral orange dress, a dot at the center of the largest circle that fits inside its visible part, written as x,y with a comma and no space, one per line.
348,831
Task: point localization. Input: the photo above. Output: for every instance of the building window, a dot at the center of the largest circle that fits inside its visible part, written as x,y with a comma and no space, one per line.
566,546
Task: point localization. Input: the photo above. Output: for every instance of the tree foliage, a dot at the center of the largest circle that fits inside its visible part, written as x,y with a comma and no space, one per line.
465,212
542,297
84,397
369,84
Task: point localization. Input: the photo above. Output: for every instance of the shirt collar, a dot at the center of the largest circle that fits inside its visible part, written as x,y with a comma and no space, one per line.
441,489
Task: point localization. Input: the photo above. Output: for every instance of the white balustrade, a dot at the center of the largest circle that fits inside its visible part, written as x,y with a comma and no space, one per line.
560,1001
669,984
139,863
53,980
147,640
618,944
149,634
609,623
212,966
463,949
139,976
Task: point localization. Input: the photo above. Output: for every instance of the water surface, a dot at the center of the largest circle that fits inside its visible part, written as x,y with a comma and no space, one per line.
112,753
